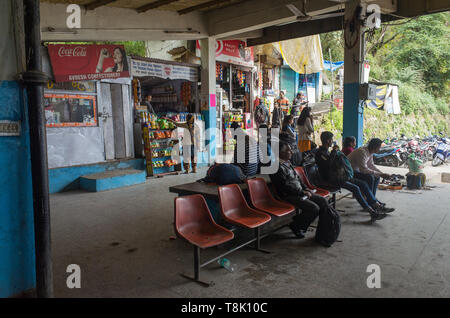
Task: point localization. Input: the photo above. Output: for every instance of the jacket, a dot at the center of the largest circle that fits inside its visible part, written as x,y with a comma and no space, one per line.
287,182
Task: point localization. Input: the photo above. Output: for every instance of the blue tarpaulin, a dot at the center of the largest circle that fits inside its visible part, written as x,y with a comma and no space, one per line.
334,65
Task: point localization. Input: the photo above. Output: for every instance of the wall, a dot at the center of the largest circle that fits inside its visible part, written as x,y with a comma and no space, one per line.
17,263
64,179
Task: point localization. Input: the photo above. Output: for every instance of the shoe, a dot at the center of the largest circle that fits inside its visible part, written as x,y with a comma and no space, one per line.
369,210
385,209
381,203
297,232
376,216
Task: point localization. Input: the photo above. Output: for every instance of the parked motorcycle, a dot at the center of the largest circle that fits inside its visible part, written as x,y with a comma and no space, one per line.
388,156
442,153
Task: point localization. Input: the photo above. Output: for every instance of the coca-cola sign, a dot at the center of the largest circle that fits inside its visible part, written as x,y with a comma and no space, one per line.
65,51
80,62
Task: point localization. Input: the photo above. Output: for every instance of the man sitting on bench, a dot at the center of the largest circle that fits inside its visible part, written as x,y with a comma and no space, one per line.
291,189
359,188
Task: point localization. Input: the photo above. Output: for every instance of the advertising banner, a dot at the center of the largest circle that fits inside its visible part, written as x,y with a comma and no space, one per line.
86,62
146,68
233,52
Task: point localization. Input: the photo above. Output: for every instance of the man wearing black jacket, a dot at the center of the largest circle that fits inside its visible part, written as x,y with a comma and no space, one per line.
291,189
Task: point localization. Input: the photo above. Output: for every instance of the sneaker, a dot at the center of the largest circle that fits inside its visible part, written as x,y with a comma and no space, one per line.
377,216
381,203
369,210
385,209
297,232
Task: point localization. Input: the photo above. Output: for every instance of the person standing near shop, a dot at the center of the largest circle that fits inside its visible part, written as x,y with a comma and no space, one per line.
261,114
148,103
283,102
191,141
305,127
278,114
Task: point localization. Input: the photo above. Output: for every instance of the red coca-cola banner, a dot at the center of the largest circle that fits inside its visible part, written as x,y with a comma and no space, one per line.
233,52
86,62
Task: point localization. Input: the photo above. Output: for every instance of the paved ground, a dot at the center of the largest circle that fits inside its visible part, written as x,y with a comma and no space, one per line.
120,238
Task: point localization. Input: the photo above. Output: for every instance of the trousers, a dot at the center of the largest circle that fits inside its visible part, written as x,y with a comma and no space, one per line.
311,209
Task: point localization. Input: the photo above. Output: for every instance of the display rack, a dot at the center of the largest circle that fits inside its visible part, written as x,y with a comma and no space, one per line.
158,145
228,119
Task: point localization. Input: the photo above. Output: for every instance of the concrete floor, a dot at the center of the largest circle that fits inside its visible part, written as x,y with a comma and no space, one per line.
121,240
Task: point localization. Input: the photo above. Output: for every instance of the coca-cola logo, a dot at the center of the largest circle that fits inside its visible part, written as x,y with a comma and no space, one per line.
77,51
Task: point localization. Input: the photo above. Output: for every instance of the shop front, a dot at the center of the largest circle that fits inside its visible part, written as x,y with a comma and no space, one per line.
89,120
165,91
235,75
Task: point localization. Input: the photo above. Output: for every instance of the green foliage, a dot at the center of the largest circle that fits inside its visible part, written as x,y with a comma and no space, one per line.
414,54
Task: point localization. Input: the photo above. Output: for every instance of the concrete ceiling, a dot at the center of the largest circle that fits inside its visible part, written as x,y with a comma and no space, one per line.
258,20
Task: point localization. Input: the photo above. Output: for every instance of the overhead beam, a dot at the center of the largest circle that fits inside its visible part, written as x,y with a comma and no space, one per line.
258,14
301,29
154,5
98,3
202,6
297,30
110,23
408,8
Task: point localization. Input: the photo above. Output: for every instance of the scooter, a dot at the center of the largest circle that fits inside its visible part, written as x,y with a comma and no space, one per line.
442,153
388,156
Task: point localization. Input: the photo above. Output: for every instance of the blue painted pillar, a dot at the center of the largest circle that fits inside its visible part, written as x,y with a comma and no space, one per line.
354,44
17,252
208,94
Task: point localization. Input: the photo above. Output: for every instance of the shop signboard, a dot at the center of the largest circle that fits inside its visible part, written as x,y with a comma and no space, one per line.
140,68
233,52
86,62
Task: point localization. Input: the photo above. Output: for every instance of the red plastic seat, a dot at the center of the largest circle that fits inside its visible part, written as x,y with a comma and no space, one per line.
301,173
263,200
235,209
193,222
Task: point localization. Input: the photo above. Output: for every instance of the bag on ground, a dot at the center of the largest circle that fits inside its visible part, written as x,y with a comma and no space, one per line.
328,228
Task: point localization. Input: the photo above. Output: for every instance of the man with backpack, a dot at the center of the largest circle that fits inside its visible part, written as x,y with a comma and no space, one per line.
291,189
261,114
335,169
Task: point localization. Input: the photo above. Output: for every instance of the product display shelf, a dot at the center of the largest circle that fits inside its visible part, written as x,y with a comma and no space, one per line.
157,164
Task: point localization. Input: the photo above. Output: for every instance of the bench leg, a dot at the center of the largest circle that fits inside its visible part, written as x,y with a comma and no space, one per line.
196,277
258,242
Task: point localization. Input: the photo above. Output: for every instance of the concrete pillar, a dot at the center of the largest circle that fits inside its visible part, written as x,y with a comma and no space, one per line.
17,246
208,93
354,41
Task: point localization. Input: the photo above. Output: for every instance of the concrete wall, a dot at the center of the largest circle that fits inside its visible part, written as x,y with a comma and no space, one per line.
17,263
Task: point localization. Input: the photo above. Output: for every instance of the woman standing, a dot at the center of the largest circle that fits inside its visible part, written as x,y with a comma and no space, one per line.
305,129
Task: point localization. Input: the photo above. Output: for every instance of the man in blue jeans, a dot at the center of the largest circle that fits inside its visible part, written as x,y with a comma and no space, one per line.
364,169
359,188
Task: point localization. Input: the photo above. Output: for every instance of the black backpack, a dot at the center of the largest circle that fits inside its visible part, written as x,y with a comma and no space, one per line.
329,227
341,170
260,115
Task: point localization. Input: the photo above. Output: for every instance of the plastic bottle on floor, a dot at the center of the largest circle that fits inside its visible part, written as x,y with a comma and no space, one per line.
225,263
